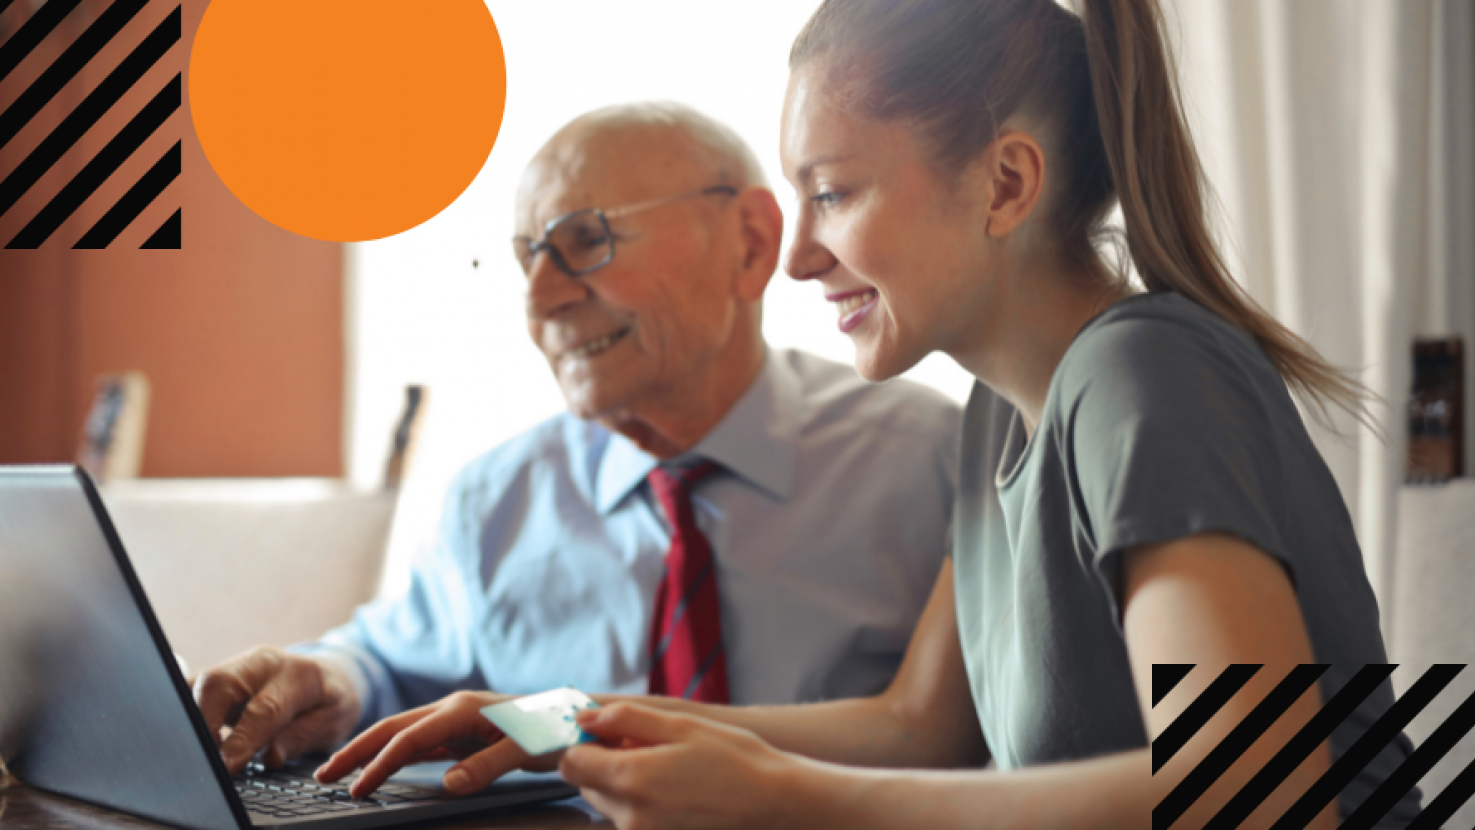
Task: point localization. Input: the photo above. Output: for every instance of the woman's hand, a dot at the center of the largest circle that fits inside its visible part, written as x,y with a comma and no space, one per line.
450,728
658,770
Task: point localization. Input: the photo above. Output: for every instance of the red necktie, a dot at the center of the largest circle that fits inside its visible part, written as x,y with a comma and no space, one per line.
686,654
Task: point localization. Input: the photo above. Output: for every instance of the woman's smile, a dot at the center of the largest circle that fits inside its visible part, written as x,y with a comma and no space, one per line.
854,306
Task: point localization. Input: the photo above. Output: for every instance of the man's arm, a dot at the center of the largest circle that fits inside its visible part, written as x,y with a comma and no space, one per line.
313,697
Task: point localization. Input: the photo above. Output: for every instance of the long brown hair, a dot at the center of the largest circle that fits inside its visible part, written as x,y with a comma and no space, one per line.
1103,86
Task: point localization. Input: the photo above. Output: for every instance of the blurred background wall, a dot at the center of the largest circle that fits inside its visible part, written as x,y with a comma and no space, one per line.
240,333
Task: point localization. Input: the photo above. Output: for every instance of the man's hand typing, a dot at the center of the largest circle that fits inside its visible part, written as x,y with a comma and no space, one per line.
284,703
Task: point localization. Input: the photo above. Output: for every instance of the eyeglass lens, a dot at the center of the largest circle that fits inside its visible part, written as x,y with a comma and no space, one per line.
578,243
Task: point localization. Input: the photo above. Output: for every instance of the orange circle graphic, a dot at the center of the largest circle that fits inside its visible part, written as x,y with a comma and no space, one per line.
347,120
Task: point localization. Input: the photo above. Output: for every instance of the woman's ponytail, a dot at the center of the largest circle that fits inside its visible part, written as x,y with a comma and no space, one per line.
1161,188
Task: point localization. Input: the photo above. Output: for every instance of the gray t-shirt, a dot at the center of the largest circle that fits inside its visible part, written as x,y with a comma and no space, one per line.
1162,421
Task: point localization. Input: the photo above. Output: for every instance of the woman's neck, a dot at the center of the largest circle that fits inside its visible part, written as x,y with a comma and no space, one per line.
1030,325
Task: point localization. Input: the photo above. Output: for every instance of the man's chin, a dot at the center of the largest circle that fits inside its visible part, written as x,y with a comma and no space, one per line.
593,404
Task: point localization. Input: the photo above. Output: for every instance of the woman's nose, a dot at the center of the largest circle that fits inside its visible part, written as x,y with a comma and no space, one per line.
807,258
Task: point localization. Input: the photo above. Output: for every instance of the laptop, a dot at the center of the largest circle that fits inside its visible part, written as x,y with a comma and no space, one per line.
93,705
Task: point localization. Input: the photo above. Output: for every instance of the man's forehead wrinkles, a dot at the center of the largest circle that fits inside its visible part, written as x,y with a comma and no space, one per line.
555,190
606,167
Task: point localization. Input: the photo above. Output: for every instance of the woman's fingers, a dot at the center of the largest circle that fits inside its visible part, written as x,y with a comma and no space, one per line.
635,724
614,809
594,767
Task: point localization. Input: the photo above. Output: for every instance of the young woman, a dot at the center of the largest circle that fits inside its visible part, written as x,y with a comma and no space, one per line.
1137,486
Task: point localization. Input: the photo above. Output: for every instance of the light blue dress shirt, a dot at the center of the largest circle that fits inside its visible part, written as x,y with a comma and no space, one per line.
829,522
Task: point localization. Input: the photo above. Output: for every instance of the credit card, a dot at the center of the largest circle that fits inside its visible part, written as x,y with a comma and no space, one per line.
543,722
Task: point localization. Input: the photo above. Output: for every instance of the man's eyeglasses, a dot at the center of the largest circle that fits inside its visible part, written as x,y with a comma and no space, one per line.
581,242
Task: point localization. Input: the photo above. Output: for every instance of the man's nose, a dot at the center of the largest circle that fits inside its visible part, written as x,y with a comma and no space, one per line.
550,290
807,258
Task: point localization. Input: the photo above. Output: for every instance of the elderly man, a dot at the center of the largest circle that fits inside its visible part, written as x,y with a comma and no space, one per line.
713,518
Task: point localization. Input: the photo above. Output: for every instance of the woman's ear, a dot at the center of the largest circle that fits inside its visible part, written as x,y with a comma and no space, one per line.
761,225
1013,167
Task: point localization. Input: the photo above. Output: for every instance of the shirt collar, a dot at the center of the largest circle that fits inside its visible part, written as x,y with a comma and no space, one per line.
757,440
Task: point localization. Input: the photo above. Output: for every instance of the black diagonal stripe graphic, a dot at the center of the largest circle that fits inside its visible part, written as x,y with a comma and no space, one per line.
4,4
138,197
1411,770
1361,753
1455,794
1186,725
32,32
97,171
1316,730
1209,770
169,235
66,67
1165,677
87,113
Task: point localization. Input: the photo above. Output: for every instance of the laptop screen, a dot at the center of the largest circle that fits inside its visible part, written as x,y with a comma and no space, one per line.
90,706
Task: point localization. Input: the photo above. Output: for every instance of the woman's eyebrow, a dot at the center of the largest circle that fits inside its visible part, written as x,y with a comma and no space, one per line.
807,171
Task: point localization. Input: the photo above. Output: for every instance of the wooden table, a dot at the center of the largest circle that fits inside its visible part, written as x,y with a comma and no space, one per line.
22,808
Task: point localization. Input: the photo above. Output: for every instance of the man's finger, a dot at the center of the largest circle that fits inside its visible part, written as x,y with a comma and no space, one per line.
484,767
312,731
267,713
230,685
219,696
632,722
434,731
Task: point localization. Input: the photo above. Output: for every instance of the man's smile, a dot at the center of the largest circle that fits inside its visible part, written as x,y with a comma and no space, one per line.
595,346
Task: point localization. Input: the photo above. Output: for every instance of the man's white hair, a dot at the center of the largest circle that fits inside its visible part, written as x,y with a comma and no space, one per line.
720,146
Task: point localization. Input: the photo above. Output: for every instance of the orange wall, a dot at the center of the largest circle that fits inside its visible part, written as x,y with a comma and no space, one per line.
240,333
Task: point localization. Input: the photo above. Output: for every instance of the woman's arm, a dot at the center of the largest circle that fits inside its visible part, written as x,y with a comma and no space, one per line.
1209,599
1214,600
925,718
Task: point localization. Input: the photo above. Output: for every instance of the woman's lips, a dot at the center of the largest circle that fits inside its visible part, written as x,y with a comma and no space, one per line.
854,306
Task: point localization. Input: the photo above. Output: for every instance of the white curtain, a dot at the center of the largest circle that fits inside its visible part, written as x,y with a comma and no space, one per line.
1340,137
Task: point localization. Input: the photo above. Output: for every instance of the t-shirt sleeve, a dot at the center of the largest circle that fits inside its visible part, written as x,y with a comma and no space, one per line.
1169,432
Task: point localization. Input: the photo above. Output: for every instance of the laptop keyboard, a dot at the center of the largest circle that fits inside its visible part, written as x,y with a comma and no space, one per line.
284,795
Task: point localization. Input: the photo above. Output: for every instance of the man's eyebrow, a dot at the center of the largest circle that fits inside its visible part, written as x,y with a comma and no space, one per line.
807,171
